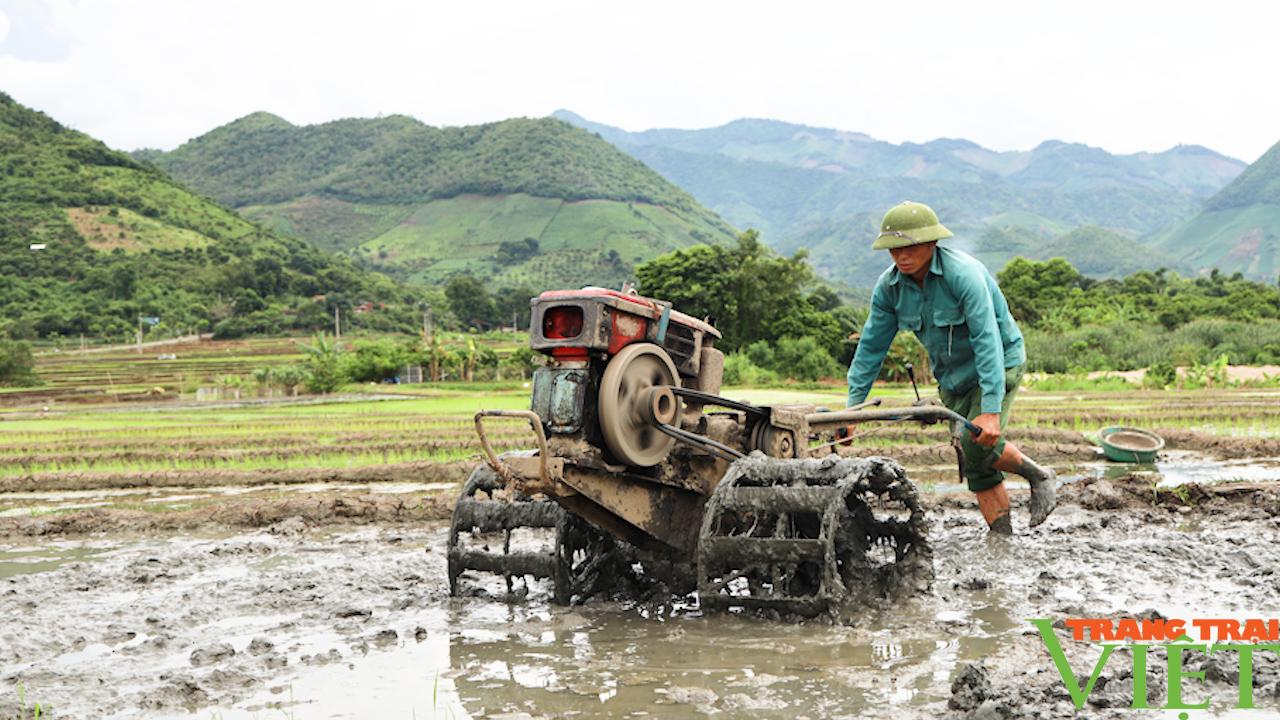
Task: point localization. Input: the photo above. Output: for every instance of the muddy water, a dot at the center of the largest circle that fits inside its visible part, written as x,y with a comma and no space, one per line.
1174,467
344,647
352,624
1182,467
632,665
20,560
483,659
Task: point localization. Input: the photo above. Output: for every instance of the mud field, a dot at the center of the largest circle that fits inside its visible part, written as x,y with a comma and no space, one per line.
288,561
320,614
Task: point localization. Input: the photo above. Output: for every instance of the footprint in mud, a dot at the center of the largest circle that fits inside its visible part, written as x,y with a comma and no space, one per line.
175,691
260,646
354,612
322,658
702,699
201,657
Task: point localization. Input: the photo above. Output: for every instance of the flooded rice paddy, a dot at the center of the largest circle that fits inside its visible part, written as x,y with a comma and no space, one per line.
172,572
293,622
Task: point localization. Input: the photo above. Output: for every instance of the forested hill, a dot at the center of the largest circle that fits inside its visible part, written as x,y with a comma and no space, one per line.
1239,228
91,240
261,158
1259,184
535,202
825,189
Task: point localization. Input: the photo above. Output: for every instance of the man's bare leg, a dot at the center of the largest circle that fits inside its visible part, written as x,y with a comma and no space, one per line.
993,503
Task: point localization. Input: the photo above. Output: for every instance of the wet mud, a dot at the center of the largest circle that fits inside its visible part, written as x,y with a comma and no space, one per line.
311,509
1222,446
306,619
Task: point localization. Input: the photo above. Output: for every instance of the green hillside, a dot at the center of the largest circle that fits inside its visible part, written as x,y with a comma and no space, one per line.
1242,239
1099,252
529,201
91,240
1066,167
1239,229
1259,184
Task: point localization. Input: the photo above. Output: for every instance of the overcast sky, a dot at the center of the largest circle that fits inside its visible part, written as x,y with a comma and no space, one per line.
1125,76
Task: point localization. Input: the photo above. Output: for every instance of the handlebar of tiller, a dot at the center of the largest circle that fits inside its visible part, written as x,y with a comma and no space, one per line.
926,413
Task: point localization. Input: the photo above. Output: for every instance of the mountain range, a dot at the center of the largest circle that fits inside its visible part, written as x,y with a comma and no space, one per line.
522,202
93,239
825,189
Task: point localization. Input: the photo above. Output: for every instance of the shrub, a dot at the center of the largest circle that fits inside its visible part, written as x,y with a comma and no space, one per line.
739,370
323,363
1160,375
1133,345
760,353
523,360
375,360
17,366
804,359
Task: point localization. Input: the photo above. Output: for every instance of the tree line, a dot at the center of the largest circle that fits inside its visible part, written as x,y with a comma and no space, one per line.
779,321
1075,323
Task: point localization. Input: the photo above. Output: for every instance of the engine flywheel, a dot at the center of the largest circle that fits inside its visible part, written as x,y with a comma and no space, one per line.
623,411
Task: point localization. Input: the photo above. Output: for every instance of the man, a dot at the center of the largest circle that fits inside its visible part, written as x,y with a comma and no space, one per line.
953,305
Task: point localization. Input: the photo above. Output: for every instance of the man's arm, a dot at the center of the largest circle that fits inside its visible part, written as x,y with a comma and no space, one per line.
877,334
984,336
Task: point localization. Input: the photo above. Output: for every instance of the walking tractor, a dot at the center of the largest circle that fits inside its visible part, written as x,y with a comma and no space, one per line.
648,478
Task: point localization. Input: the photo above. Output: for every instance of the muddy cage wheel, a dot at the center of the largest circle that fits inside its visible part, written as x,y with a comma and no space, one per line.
492,521
584,558
803,537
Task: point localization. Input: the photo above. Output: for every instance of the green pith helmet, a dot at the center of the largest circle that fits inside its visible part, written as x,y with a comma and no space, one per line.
910,223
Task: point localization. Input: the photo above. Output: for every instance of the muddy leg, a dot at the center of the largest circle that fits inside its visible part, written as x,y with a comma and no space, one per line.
1043,481
980,470
993,503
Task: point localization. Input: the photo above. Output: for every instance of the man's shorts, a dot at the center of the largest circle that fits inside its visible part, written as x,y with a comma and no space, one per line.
978,459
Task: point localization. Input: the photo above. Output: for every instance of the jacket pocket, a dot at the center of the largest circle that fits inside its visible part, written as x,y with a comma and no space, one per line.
948,315
906,322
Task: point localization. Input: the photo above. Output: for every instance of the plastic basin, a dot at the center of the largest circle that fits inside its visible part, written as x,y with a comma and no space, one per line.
1132,445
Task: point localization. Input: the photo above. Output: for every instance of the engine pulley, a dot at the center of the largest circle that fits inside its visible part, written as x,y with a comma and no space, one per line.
624,410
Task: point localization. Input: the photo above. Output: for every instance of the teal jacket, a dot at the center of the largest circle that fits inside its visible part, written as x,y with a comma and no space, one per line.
961,318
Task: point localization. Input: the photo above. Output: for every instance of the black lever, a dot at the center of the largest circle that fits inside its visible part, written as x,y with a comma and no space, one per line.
911,373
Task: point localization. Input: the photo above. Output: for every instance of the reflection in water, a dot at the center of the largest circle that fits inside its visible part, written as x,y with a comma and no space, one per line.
23,560
1175,467
608,661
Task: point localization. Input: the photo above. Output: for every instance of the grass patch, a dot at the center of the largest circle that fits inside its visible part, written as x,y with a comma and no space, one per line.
1070,382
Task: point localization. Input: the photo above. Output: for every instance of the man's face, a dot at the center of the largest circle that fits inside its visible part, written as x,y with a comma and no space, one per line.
912,259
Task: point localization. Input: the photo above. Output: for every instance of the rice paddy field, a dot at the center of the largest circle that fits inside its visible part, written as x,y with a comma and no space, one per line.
158,372
176,371
168,451
170,557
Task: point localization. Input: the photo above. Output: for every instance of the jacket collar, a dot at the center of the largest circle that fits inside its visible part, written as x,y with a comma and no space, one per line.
935,266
